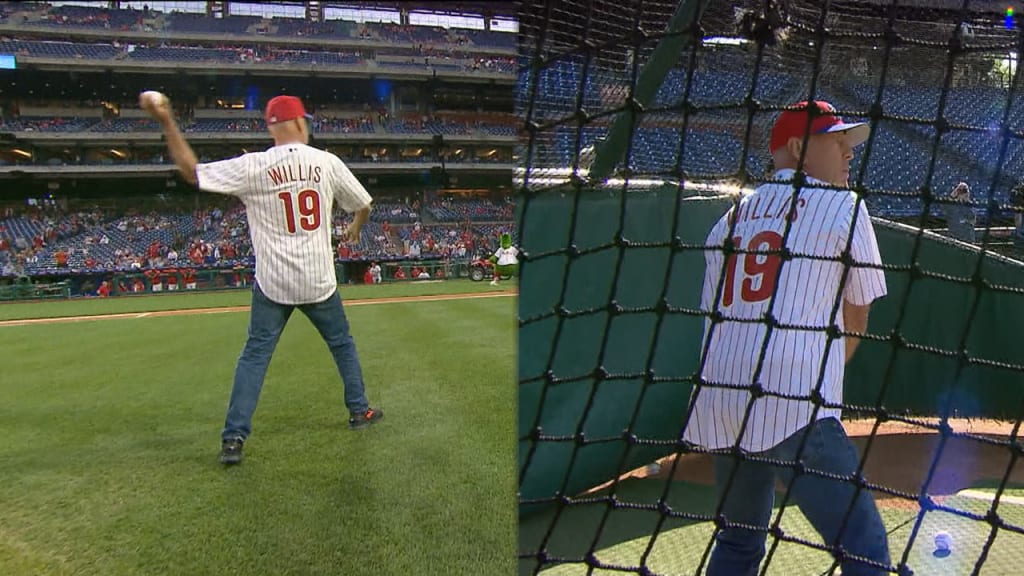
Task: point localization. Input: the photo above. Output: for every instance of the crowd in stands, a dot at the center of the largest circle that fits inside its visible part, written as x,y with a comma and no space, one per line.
447,210
49,240
147,20
714,147
449,125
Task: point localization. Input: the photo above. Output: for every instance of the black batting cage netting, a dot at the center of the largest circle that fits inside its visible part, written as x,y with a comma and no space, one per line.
646,128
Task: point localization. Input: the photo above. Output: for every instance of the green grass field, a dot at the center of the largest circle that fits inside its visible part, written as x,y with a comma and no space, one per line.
108,463
230,297
679,545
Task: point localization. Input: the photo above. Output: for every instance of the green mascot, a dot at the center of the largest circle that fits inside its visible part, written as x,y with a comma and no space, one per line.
505,259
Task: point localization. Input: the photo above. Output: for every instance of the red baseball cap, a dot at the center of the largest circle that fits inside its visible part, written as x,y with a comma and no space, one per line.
285,108
793,124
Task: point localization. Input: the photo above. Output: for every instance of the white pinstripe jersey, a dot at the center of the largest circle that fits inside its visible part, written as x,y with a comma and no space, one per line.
289,193
806,296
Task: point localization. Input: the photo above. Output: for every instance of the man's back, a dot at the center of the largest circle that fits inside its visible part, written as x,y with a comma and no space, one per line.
289,193
807,291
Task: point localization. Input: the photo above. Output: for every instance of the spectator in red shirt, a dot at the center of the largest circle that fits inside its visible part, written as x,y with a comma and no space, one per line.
61,257
400,273
104,290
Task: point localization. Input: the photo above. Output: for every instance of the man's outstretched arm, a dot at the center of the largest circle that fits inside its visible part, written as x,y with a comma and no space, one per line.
159,107
182,154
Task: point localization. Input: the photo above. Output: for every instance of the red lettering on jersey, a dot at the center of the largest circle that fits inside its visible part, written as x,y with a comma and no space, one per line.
752,212
291,176
276,176
299,169
768,209
793,213
316,174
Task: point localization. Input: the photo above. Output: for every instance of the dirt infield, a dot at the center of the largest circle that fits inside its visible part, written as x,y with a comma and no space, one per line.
900,458
225,309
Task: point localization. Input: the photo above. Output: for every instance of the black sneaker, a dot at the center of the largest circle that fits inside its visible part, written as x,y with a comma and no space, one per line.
358,421
231,451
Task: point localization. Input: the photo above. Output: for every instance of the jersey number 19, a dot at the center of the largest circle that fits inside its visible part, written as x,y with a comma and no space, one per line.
762,268
309,210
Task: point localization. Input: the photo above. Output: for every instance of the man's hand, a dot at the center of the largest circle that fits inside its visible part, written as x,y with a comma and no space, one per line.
855,319
352,234
157,105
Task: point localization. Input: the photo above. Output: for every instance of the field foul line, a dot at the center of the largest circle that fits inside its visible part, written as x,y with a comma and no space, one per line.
225,309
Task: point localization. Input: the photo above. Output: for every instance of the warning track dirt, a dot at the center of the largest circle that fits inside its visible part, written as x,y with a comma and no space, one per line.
225,309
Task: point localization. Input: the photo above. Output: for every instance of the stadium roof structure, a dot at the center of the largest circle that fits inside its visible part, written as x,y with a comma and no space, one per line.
506,9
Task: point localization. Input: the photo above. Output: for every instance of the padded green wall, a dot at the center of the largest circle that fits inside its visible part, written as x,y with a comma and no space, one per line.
937,314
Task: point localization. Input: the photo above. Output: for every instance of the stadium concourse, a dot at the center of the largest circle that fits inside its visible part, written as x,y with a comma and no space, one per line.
415,100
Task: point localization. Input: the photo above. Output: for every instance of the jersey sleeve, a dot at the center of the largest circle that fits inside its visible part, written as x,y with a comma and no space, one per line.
229,176
348,190
864,285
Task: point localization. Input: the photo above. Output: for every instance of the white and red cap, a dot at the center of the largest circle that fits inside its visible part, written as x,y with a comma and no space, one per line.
793,124
285,108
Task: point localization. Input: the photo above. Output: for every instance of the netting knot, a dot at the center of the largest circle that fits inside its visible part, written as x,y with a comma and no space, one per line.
756,390
635,105
945,430
614,308
816,398
992,517
770,320
925,502
956,41
592,561
549,377
897,340
572,250
649,376
721,522
621,241
882,415
941,125
839,553
662,306
580,439
600,373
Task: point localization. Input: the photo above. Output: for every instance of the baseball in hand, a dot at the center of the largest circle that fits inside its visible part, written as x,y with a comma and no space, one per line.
151,100
943,541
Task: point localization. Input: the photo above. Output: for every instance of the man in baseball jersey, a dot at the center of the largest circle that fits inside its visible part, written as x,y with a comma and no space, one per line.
288,191
796,361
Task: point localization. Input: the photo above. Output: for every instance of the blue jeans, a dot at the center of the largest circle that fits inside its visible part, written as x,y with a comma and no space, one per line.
739,551
266,322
